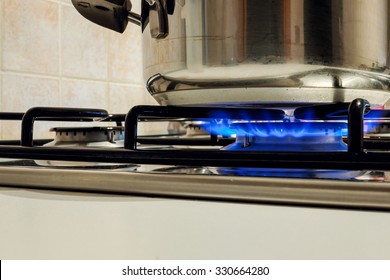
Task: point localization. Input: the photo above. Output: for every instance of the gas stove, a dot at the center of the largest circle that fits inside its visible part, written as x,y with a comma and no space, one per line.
332,155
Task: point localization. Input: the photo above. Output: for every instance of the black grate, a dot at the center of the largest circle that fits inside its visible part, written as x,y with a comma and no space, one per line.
361,155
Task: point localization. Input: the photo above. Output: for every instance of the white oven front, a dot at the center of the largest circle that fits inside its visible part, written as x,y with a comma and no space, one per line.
45,224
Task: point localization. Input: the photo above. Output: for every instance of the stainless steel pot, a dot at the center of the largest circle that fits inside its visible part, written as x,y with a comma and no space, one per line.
251,51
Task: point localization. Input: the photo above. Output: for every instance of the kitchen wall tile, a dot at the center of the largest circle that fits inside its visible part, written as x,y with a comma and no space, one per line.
125,56
30,36
125,53
1,38
84,46
122,97
1,64
148,99
20,92
1,97
23,92
52,56
136,8
136,3
84,94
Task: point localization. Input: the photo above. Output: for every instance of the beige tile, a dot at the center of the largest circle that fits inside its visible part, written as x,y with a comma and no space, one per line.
32,43
1,42
136,4
84,94
125,55
19,93
124,50
123,97
31,36
84,46
1,129
1,91
136,8
149,100
22,92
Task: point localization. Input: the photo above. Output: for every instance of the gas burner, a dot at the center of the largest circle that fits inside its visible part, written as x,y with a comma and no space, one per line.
377,129
86,137
273,136
187,129
286,136
292,173
195,129
109,137
289,137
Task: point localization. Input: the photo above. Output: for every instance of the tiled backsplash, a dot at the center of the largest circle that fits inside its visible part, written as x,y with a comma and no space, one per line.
52,56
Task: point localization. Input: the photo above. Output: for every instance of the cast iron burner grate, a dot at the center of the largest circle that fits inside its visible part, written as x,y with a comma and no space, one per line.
361,154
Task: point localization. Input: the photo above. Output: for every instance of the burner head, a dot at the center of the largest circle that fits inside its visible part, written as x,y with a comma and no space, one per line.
195,129
377,129
84,137
286,136
88,136
290,137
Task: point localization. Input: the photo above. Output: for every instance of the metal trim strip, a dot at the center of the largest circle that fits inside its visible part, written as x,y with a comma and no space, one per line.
300,192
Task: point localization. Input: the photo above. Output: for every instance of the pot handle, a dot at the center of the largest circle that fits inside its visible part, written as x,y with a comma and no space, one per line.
107,13
115,14
158,19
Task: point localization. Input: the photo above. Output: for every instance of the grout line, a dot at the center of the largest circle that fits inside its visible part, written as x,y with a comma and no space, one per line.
127,84
29,74
102,81
60,15
61,2
67,78
1,66
108,74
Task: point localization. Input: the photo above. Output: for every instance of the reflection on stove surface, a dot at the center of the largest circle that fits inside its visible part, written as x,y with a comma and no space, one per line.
275,172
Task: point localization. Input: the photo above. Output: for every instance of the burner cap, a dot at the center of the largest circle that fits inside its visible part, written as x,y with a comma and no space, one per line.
287,136
84,137
88,136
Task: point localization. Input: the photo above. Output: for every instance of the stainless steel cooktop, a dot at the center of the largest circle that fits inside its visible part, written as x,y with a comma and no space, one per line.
333,155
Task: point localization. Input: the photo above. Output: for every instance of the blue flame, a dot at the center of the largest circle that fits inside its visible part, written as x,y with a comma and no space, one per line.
279,135
264,126
282,133
288,134
291,173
